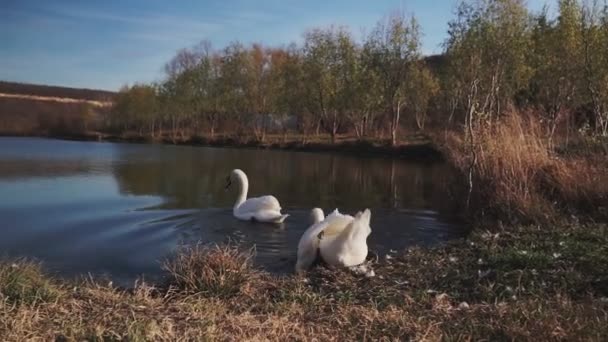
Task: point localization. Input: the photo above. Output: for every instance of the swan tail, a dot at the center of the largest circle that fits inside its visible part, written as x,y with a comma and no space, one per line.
268,216
359,225
365,217
282,218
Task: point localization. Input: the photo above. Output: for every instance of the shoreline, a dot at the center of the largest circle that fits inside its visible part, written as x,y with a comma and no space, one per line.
419,150
507,283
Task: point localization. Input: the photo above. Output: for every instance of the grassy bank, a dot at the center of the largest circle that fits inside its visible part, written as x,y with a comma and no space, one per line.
523,283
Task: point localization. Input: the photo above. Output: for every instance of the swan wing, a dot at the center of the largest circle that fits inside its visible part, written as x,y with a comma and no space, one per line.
255,204
349,248
336,223
310,237
309,245
359,224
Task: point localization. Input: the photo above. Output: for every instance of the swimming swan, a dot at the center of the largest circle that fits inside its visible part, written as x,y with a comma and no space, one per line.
261,209
341,240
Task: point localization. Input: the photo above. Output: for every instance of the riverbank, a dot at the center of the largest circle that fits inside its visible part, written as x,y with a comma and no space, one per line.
506,283
414,146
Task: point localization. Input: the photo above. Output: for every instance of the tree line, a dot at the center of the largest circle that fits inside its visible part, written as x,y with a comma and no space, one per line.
498,56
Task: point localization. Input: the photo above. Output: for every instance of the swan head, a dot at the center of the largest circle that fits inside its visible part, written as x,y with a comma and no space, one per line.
236,175
316,215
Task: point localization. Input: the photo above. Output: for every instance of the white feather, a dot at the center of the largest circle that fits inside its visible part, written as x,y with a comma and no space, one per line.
343,241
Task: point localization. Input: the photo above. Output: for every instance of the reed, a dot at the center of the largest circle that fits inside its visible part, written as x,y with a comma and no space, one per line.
517,174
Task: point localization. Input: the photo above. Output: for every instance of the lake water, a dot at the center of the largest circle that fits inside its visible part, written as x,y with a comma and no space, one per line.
120,209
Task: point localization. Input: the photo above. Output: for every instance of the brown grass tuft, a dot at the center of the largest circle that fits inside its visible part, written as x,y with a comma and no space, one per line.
213,271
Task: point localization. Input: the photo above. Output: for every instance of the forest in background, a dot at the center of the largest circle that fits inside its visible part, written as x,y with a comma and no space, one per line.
499,58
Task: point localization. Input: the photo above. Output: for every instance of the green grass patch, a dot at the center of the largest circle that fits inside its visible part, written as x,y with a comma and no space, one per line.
23,282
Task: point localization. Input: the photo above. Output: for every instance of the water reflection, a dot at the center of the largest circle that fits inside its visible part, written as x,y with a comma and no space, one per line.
119,209
193,177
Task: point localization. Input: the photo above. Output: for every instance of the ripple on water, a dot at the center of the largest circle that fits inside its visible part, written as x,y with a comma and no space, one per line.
276,245
120,209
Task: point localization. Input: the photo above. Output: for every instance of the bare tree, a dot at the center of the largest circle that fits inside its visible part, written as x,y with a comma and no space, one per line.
389,51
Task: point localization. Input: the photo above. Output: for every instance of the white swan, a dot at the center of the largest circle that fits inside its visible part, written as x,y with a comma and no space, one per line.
341,240
261,209
308,247
344,241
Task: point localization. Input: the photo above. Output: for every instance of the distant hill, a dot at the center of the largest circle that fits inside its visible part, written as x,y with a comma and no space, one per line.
41,110
55,91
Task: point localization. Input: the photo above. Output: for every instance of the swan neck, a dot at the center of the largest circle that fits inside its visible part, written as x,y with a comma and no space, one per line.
243,184
317,215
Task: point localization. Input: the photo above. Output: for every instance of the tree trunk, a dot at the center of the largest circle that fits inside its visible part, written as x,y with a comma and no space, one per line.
333,135
318,127
554,117
472,96
264,128
334,128
604,124
420,119
173,128
358,131
212,118
395,124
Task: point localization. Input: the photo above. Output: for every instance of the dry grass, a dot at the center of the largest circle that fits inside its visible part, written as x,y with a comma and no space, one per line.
518,176
214,271
505,286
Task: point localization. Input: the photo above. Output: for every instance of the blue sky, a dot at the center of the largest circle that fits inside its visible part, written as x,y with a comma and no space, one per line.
105,44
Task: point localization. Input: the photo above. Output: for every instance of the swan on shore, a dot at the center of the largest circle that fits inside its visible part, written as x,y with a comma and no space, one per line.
340,239
261,209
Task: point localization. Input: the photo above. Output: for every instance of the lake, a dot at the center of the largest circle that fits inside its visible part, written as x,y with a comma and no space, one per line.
120,209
